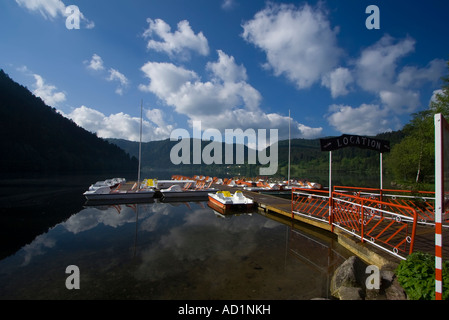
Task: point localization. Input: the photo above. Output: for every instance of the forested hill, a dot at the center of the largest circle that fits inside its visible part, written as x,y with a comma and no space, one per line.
36,138
156,154
306,155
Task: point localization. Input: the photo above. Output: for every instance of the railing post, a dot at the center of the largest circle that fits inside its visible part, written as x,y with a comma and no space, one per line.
331,215
412,240
293,189
362,229
330,191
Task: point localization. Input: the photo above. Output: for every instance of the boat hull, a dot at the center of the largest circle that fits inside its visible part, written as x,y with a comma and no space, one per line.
127,195
187,194
219,204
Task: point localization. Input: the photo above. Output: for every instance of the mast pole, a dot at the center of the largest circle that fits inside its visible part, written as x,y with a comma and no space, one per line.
289,146
140,145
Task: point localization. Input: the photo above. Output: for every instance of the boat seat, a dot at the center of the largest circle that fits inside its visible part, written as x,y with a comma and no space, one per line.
227,194
238,194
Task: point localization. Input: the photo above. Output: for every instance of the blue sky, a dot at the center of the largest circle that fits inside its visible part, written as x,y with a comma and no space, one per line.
228,63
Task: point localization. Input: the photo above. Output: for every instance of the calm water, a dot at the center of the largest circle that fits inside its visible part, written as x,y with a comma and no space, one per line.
162,251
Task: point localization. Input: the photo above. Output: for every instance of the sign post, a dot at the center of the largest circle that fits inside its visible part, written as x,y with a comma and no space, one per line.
381,174
330,191
335,143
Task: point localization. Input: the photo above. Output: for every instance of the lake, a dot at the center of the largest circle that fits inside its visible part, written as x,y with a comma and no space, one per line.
158,250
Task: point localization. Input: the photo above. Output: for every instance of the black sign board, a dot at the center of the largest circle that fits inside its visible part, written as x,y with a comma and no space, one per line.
346,140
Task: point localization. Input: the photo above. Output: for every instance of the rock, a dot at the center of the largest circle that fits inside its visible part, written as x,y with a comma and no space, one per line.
395,291
349,274
349,282
387,273
390,284
387,276
350,293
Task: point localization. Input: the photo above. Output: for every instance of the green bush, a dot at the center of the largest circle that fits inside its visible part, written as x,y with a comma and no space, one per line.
417,276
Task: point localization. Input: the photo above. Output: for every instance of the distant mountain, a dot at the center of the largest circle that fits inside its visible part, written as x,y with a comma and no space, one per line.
36,138
156,157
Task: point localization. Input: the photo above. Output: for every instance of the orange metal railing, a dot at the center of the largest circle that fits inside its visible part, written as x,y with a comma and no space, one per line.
372,215
389,226
311,203
422,201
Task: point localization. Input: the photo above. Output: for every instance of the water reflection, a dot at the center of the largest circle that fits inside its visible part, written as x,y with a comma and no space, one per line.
171,251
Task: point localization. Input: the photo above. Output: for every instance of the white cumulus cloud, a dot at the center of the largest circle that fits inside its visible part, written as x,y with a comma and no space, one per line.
367,119
121,125
378,71
299,42
113,75
376,68
95,63
226,101
400,101
179,43
47,92
412,76
301,45
51,9
228,4
338,81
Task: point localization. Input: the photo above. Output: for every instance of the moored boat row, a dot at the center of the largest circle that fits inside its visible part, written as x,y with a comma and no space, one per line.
189,191
185,188
118,189
256,184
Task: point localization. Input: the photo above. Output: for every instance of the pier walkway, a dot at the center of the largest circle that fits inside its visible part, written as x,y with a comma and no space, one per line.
379,226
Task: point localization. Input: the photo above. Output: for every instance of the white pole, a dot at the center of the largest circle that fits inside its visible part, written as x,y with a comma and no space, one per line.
439,203
381,178
330,183
289,120
140,146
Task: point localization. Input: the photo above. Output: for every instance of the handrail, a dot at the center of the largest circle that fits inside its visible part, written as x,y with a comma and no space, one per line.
388,190
312,203
374,220
380,222
422,201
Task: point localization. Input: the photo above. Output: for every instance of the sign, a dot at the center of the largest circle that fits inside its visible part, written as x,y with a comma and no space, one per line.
346,140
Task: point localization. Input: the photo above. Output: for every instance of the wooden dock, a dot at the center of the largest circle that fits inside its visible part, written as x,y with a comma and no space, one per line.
267,202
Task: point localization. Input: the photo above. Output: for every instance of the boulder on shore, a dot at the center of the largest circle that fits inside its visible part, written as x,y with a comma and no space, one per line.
349,282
